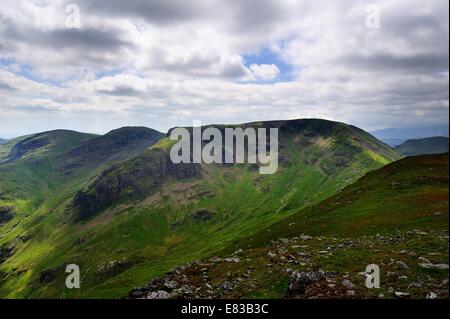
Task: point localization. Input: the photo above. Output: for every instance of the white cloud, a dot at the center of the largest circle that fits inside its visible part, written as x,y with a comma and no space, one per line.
164,63
265,71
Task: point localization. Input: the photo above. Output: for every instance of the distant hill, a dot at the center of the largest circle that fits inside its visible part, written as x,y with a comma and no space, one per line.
431,145
117,145
40,163
3,141
397,136
44,144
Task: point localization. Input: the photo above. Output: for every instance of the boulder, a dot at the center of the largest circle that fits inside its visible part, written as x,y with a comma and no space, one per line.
6,214
402,295
6,251
299,282
203,214
49,275
431,295
401,265
305,237
348,284
434,266
161,294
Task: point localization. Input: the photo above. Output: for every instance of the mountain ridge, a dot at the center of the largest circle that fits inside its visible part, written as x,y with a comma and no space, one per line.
309,127
396,136
430,145
151,222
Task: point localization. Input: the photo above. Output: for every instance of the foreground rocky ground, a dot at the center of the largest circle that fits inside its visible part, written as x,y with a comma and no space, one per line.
413,264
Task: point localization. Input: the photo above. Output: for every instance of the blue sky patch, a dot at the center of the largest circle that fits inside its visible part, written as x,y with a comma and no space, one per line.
26,71
267,56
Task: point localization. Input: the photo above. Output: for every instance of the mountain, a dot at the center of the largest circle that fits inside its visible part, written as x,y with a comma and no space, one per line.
3,141
397,136
116,145
141,176
37,165
125,221
395,217
45,144
120,209
431,145
28,164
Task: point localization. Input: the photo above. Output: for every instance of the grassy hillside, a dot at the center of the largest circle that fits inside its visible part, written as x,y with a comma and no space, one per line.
39,172
401,196
432,145
395,217
28,165
134,236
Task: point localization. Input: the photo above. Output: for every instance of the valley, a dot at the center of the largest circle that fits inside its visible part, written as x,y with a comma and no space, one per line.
116,206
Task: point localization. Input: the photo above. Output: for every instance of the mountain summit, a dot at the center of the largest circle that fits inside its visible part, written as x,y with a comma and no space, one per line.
120,209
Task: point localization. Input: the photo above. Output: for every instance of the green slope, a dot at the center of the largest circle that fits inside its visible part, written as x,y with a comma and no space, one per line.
398,213
432,145
35,179
400,196
139,235
28,165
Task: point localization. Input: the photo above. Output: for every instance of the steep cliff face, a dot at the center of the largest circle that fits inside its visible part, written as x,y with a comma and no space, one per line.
136,178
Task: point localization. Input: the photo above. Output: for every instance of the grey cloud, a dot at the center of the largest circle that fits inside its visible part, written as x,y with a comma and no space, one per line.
35,108
193,64
90,48
198,65
234,71
121,91
85,38
4,47
154,11
427,91
256,15
6,87
419,63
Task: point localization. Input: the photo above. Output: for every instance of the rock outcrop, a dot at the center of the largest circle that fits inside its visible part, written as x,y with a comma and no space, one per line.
6,251
6,214
134,179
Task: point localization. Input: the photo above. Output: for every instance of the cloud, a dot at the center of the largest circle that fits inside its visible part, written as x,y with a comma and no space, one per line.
154,12
162,63
265,72
420,63
6,87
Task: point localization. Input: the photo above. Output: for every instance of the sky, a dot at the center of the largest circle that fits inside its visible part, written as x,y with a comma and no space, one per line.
94,66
